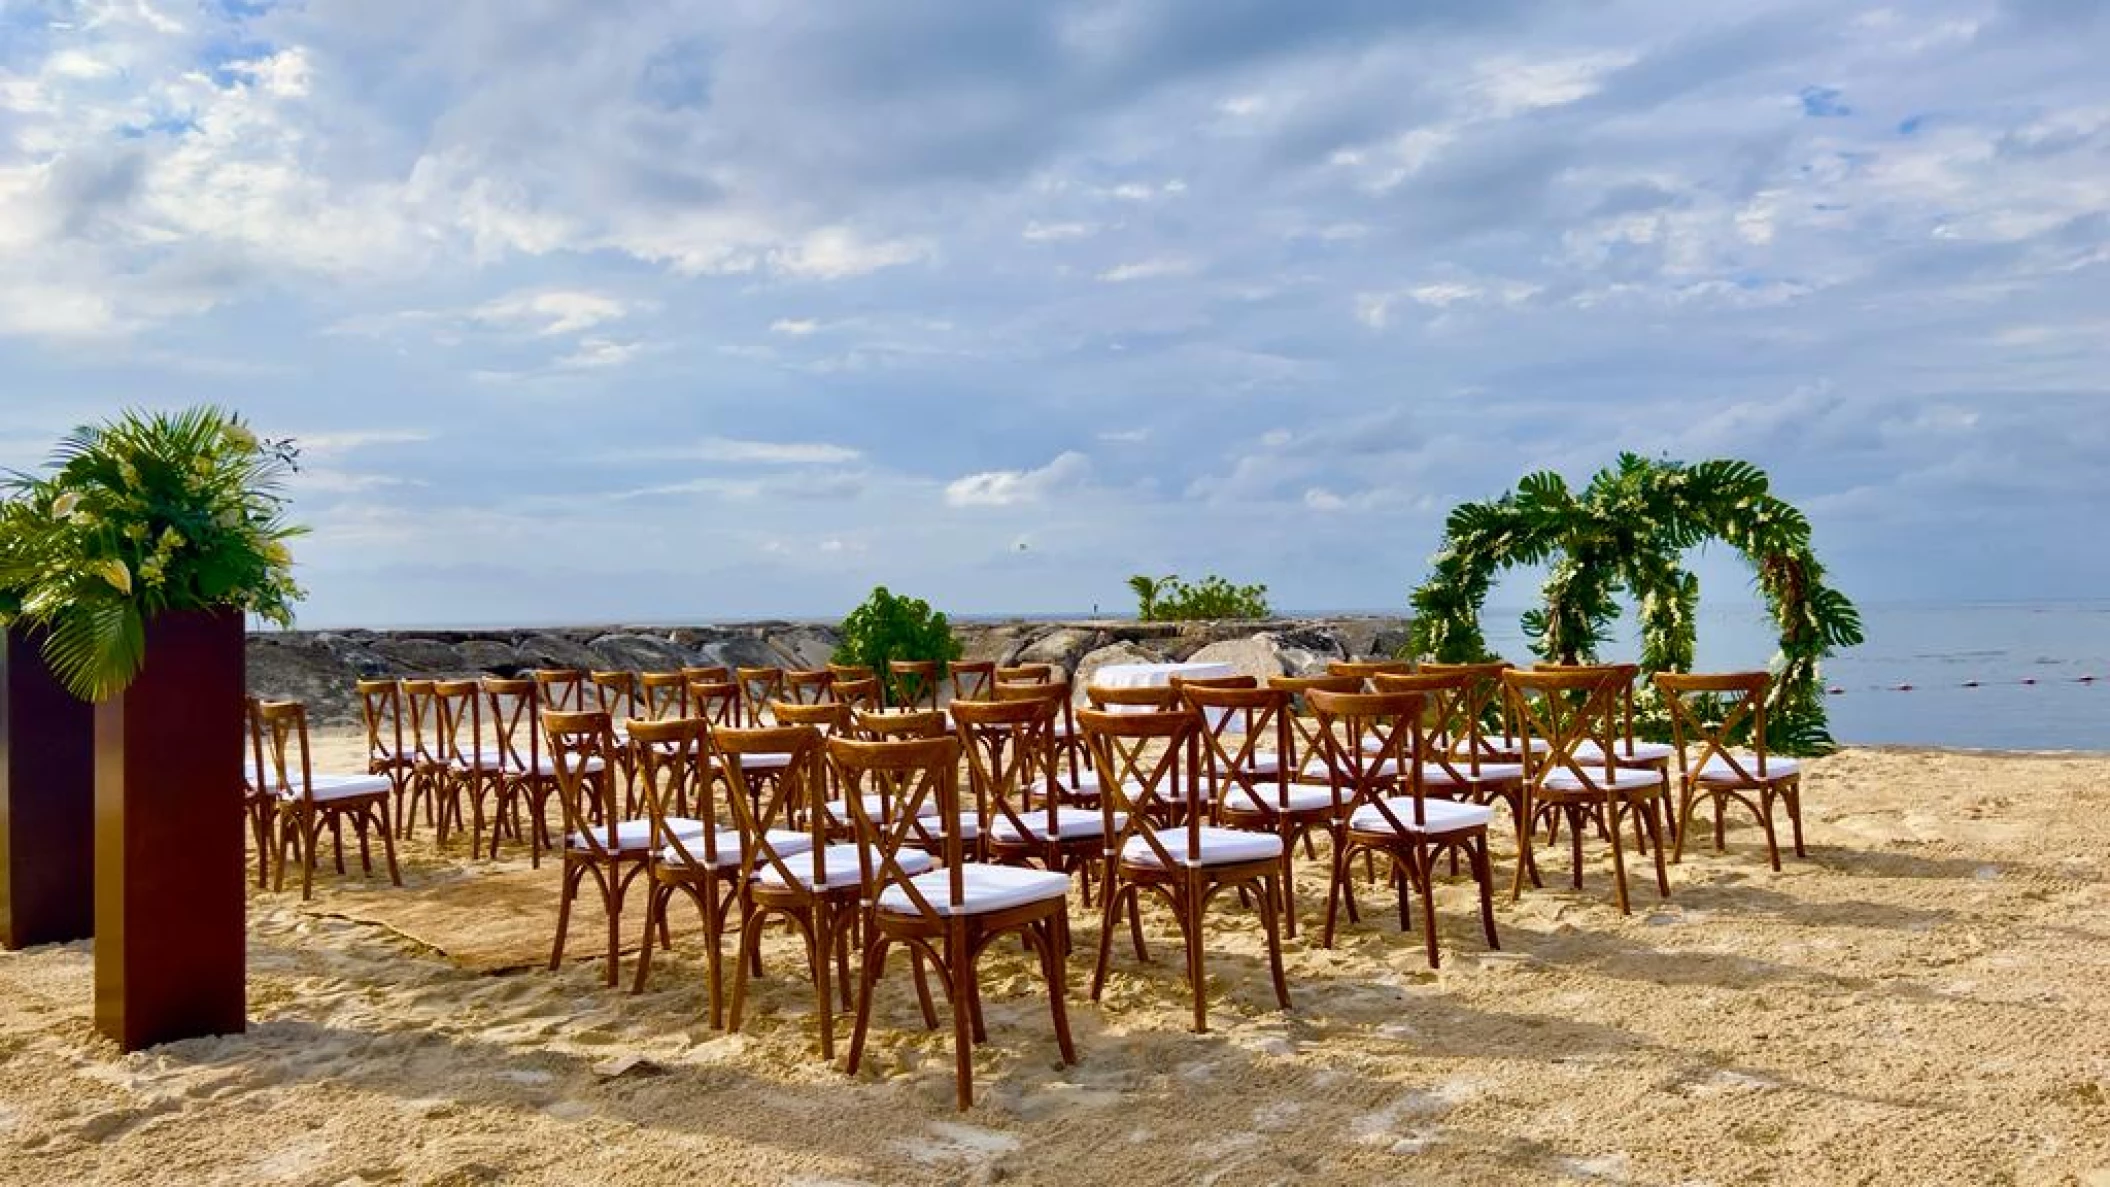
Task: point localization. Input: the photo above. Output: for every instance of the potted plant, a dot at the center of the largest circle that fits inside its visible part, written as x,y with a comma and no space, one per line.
136,558
47,782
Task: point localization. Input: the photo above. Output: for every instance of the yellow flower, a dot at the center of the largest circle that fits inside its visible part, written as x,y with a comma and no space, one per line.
114,571
130,473
275,552
63,506
239,437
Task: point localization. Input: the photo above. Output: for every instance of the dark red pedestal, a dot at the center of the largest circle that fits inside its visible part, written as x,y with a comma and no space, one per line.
47,801
170,952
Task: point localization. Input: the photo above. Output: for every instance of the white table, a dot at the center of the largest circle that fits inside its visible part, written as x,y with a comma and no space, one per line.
1154,676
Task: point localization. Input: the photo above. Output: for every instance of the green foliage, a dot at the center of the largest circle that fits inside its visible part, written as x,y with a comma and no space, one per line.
1627,532
143,514
887,627
1168,599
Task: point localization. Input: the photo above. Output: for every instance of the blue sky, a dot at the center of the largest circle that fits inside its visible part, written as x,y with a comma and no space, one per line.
600,310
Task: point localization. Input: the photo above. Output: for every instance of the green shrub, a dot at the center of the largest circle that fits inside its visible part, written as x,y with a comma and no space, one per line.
887,627
1168,599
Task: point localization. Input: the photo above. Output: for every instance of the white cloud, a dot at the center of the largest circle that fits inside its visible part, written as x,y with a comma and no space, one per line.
598,353
1155,268
767,453
1056,232
550,312
1006,488
795,327
832,253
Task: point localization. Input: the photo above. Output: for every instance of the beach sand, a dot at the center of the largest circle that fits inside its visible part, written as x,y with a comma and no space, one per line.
1925,999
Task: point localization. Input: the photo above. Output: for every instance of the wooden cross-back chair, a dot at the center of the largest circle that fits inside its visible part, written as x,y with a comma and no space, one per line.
758,687
428,767
1373,751
475,766
1487,708
702,863
528,778
563,689
599,841
861,694
1148,698
662,696
843,672
915,683
1145,762
381,710
1453,763
1026,674
947,916
790,870
1013,774
1718,722
309,803
1627,749
1075,780
716,703
888,725
1565,709
1306,755
808,686
259,792
1245,773
973,680
707,674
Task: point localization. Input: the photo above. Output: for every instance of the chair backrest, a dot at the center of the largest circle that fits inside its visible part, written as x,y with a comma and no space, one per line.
1026,674
1178,682
254,781
861,693
717,702
1238,725
1483,703
905,776
808,686
421,711
1450,735
670,761
1145,763
890,724
461,717
1713,712
1064,723
1364,669
381,707
1303,726
615,693
663,696
1623,699
915,682
563,689
1373,746
973,681
1565,708
516,721
758,687
285,761
582,748
829,717
707,674
1010,749
1153,697
843,672
789,802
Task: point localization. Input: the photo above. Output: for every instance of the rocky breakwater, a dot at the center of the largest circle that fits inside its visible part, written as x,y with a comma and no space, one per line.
320,667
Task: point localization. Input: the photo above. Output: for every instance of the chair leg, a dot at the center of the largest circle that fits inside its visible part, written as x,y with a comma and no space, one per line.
867,981
1273,932
714,950
1484,874
1765,819
1190,916
573,871
749,956
1618,858
819,949
1791,791
388,848
1655,829
1288,884
1423,874
922,979
1054,942
960,971
655,909
1110,896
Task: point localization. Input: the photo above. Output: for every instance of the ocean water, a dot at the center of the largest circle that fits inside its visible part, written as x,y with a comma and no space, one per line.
1994,676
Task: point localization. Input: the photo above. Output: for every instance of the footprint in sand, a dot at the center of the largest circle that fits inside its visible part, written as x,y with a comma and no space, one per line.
947,1141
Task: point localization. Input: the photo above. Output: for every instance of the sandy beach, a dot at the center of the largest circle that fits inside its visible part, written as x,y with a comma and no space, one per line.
1925,999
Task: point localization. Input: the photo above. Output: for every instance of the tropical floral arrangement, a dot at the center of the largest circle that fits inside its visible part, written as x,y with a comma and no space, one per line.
147,513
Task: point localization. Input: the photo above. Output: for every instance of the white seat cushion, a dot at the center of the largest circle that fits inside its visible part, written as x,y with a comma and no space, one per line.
546,766
1511,744
1620,778
1085,786
1303,797
340,787
1382,769
1433,775
1070,823
983,889
1438,816
839,811
840,867
1717,770
1625,751
1260,762
783,840
927,832
635,834
766,761
1219,846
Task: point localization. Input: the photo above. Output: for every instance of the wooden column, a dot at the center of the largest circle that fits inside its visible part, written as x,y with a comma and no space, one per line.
170,886
47,801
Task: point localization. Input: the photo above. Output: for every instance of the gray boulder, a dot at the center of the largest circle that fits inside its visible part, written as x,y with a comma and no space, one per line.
802,647
1065,647
1257,656
418,655
489,655
638,653
556,651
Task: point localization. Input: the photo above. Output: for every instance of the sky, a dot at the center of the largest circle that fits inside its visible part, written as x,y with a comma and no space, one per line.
591,310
